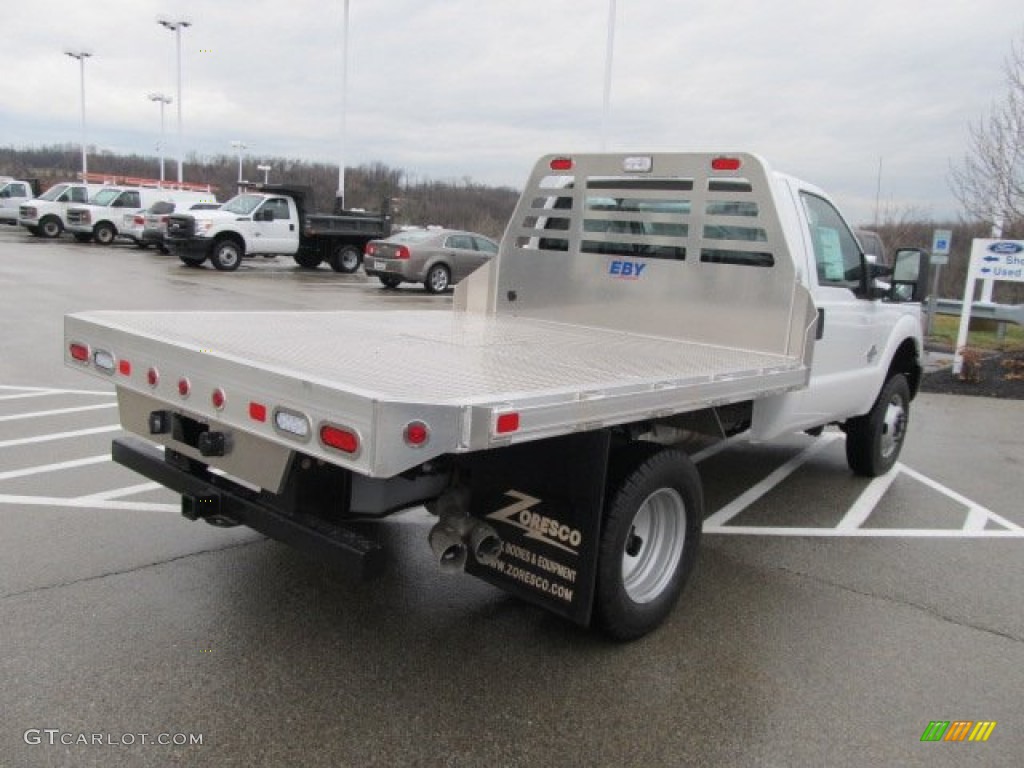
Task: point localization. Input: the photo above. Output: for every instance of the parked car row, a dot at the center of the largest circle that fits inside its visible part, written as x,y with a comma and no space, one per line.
103,212
438,258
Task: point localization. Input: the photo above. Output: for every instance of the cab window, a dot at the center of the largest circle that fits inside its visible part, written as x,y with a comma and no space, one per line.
836,253
279,206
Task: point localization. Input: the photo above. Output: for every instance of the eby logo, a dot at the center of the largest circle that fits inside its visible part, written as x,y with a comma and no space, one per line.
958,730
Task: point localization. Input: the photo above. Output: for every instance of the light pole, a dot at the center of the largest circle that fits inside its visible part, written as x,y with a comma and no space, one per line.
266,173
164,101
81,55
176,25
610,47
339,202
239,145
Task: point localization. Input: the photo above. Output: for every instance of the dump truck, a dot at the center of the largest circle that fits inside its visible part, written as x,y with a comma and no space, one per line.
637,300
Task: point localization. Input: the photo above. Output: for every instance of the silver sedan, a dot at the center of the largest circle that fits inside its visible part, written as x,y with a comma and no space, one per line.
438,258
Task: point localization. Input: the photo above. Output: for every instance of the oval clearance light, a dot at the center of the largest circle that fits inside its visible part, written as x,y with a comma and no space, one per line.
726,164
103,360
292,423
79,352
124,367
184,387
339,438
153,377
218,398
507,422
416,434
562,164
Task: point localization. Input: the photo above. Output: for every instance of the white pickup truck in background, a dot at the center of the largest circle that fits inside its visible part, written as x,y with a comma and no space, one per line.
635,299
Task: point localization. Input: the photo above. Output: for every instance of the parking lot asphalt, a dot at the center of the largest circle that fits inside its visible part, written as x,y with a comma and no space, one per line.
830,620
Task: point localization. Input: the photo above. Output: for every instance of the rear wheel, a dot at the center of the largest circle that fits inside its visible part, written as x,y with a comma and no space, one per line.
874,440
50,227
307,260
438,279
104,233
390,282
654,511
226,255
345,259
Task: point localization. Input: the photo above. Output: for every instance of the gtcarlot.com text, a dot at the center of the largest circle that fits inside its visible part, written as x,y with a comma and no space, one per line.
55,736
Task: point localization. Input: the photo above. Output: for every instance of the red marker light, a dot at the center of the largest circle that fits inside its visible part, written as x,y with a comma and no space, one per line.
340,439
416,434
507,422
184,387
258,412
79,352
153,377
726,164
218,398
124,367
562,164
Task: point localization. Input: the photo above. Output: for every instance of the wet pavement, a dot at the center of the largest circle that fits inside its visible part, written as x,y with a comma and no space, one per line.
829,621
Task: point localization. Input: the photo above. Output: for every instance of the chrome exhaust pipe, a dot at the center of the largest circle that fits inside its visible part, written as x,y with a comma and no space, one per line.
485,544
449,548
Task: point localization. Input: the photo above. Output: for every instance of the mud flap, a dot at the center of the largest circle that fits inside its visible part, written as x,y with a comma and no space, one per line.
545,500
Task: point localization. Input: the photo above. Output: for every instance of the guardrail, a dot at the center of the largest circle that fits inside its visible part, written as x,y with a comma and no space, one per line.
1003,313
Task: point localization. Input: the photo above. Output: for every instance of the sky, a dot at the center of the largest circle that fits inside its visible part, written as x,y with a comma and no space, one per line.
869,99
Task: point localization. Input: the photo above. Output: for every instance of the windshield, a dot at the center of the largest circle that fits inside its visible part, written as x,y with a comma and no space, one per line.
105,196
53,192
242,204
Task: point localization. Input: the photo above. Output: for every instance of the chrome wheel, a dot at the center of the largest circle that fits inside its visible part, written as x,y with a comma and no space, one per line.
894,426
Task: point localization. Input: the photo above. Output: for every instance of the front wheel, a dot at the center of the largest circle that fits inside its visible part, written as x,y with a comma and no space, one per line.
653,516
438,279
50,227
345,259
104,233
874,440
226,255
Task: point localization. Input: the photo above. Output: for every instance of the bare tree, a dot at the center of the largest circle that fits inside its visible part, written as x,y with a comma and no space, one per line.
989,181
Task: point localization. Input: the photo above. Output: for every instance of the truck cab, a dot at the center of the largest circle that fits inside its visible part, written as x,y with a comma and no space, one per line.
249,224
46,215
14,192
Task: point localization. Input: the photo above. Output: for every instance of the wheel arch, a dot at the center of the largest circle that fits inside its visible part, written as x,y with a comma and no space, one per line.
907,361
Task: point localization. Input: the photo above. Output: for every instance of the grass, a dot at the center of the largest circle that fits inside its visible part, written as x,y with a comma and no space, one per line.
946,327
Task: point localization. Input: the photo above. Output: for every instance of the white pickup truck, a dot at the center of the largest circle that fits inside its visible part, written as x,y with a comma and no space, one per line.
635,297
14,192
274,220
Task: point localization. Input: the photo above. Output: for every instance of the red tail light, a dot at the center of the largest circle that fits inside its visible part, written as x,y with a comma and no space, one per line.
140,221
402,252
340,439
79,352
370,249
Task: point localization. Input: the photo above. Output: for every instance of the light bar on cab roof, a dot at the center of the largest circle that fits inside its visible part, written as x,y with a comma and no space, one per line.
726,164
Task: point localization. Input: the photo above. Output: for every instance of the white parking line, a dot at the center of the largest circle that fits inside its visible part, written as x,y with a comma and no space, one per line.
57,412
43,468
59,436
882,533
53,391
24,395
752,494
865,504
51,501
120,493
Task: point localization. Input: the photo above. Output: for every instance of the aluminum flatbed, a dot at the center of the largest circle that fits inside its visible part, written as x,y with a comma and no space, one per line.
454,371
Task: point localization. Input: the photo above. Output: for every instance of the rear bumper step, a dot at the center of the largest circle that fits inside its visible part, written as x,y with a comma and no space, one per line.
211,495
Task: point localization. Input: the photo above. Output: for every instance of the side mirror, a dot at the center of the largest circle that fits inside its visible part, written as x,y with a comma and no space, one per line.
910,270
